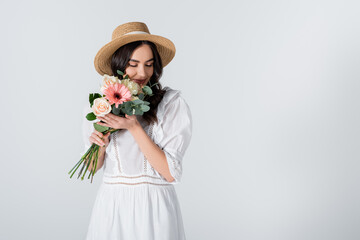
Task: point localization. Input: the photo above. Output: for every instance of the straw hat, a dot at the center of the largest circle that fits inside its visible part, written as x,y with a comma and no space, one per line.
131,32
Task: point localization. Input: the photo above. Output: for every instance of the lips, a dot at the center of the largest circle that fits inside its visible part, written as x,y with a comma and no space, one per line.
139,81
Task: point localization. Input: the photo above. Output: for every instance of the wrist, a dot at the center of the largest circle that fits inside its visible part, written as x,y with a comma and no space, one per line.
133,128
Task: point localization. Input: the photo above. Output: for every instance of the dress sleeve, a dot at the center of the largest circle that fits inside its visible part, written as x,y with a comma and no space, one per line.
174,134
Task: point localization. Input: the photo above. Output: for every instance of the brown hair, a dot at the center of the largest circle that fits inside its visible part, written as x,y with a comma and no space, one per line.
120,60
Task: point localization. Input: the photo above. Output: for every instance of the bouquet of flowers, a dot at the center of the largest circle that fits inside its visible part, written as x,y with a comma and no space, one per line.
119,97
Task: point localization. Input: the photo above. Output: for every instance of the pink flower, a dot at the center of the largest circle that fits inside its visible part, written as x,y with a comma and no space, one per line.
117,93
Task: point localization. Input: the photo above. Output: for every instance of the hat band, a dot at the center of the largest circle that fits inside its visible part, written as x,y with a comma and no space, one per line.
136,32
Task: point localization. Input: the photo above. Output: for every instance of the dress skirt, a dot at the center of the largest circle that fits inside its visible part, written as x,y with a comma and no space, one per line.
136,212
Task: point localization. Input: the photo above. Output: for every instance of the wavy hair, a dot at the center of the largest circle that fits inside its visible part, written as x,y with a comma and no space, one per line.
120,60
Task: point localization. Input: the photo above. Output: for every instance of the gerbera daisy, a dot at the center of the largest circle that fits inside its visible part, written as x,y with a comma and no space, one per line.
117,93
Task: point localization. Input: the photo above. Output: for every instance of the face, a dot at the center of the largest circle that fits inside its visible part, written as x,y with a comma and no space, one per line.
141,65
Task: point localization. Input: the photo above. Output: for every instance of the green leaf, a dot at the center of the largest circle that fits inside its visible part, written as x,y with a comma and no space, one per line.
92,97
126,104
116,110
120,72
144,108
147,90
137,101
138,111
126,77
146,103
131,112
91,116
127,109
141,96
100,128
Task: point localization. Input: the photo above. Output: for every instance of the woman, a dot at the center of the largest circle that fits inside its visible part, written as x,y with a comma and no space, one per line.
142,161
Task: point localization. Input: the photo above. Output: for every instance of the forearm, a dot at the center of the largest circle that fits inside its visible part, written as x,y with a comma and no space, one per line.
155,156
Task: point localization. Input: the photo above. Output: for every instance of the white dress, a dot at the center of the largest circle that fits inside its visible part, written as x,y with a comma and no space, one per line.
134,201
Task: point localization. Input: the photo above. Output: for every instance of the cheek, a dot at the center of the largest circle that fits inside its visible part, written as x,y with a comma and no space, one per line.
150,72
130,71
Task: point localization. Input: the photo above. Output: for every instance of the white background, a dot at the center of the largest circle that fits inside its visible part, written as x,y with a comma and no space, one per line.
273,87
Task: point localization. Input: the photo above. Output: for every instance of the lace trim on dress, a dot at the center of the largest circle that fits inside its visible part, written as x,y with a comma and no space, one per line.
116,151
106,175
138,183
150,133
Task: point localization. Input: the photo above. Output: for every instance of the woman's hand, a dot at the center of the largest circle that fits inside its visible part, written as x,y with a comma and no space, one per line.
99,138
116,122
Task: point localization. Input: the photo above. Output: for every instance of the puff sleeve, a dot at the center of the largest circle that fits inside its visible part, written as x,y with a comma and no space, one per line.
173,134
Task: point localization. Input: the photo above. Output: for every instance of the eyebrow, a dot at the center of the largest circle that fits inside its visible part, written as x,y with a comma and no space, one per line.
139,61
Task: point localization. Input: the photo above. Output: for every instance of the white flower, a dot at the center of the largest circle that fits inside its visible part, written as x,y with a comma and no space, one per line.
101,107
133,87
107,81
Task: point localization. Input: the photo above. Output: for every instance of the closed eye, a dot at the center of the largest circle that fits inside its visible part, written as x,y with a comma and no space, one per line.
145,65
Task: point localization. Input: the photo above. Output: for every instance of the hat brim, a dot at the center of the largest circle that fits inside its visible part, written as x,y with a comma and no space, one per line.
165,47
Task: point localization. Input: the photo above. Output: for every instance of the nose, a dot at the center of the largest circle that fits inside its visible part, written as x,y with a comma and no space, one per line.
141,71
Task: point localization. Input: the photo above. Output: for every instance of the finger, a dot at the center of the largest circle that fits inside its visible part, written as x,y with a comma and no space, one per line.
96,137
103,124
110,116
130,117
107,136
96,141
97,133
106,116
100,119
100,141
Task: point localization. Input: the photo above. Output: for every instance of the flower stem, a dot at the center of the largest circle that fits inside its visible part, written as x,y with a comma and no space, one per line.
96,160
90,155
81,159
82,178
77,164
